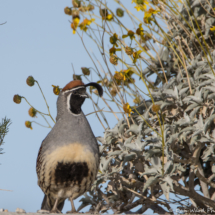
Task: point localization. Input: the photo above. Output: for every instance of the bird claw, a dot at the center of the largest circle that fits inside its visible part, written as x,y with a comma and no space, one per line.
43,211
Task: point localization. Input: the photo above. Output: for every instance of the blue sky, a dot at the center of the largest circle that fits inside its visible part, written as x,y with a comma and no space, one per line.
36,40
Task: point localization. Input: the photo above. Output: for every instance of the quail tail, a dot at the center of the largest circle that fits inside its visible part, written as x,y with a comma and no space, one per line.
48,204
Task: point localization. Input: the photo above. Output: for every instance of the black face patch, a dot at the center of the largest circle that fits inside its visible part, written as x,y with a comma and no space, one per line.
71,172
76,100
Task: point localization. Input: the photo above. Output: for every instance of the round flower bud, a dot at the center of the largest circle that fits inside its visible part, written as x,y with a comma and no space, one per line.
17,99
155,108
32,112
30,81
76,3
119,12
128,50
28,124
68,11
85,70
114,59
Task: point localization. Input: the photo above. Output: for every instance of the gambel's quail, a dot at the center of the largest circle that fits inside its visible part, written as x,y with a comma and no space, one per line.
68,158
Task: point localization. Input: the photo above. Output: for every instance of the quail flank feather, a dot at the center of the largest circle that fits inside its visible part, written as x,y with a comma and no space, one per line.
68,158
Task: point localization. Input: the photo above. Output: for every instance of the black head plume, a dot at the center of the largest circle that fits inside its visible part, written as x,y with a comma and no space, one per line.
97,86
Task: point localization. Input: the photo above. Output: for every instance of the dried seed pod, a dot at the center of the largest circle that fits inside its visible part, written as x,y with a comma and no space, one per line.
103,12
113,92
105,82
30,81
17,99
119,12
32,112
128,50
155,108
85,70
90,7
114,59
77,77
83,9
68,11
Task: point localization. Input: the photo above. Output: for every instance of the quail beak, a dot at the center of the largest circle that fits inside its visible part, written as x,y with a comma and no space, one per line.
84,95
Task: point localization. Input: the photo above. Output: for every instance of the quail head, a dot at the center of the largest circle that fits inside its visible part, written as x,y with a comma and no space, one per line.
68,158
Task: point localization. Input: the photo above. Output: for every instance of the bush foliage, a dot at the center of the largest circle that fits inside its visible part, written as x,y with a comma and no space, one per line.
160,154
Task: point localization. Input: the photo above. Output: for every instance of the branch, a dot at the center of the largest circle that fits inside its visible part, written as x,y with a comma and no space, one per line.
193,195
3,23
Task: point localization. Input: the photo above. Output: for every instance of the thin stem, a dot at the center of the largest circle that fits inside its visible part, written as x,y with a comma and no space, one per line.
45,101
40,124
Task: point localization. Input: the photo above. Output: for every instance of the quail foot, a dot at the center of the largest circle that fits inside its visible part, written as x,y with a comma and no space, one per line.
68,158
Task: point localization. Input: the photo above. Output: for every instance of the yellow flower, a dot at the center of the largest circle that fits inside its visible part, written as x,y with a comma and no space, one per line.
136,55
127,109
129,34
141,7
74,24
119,76
140,30
56,89
140,4
113,39
123,75
128,72
85,23
213,28
105,14
109,17
113,50
28,124
148,16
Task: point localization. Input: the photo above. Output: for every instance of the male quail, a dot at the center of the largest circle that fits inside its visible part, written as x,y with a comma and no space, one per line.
68,158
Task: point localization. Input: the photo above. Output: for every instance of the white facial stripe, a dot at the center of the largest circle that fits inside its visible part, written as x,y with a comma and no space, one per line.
76,88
